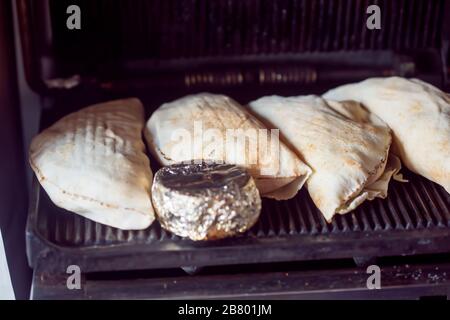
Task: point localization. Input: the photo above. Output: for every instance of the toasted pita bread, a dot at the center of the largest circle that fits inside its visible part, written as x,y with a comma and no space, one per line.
93,162
349,157
199,127
419,116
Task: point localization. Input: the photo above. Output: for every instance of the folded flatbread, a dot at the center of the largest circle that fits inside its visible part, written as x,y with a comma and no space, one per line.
216,128
349,156
93,162
418,115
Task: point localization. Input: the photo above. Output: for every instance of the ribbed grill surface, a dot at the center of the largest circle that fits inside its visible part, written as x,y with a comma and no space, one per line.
172,29
416,205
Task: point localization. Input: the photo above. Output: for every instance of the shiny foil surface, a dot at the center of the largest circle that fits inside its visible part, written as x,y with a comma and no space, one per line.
205,201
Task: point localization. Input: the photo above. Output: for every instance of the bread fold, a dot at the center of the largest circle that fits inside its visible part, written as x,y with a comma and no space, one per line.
418,115
348,155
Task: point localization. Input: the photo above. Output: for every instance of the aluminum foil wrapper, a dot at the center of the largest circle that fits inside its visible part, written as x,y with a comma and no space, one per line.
205,201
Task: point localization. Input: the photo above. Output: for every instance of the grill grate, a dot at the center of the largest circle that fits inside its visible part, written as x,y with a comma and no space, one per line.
417,205
170,29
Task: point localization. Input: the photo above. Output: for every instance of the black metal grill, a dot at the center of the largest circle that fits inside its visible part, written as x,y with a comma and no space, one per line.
415,218
410,206
196,29
160,50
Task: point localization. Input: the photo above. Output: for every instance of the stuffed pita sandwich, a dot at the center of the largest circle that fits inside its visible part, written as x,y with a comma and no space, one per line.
210,127
349,156
418,115
93,162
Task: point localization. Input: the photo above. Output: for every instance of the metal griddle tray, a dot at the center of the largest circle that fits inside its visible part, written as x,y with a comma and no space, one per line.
414,219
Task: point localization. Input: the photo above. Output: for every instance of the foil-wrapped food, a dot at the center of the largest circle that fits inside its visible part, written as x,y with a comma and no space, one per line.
205,201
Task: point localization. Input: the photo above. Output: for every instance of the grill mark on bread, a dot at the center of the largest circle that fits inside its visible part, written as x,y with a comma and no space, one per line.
42,178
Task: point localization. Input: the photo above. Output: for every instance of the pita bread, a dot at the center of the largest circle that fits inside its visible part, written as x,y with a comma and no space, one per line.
93,162
349,158
199,127
418,115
